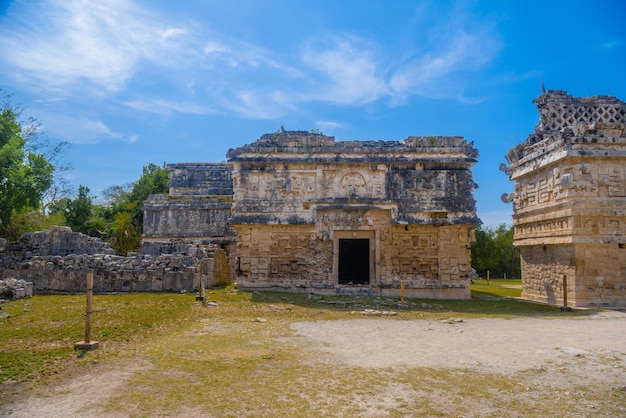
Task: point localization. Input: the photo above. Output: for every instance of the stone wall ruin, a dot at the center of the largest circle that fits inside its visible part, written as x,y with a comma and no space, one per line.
57,261
570,201
293,211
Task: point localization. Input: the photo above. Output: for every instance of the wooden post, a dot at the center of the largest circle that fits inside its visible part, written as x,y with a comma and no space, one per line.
201,292
88,316
487,276
402,292
87,344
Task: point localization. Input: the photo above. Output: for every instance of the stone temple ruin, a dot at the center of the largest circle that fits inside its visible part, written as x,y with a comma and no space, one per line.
300,212
570,201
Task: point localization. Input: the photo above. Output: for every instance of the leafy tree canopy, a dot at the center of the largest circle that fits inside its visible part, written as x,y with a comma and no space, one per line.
25,175
493,251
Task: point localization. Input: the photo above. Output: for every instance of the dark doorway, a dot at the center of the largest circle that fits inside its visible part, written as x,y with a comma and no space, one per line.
354,261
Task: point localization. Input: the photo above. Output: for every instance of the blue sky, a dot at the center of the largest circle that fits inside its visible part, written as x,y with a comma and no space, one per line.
130,82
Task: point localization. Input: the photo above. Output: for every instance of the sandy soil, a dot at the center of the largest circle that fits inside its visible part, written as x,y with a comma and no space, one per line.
588,350
487,345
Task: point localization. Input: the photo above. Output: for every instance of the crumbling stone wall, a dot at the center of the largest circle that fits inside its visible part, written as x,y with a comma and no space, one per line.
42,258
570,201
200,179
59,240
67,274
192,217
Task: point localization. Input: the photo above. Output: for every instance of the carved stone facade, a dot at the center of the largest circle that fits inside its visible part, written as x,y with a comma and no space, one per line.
359,217
299,212
570,201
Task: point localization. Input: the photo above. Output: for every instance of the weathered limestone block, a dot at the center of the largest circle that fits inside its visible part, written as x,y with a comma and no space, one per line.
12,288
200,179
569,200
197,217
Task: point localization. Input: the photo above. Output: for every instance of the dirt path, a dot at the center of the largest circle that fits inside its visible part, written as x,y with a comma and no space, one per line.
593,347
588,350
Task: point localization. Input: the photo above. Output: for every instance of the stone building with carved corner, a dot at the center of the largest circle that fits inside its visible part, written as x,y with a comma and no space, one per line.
312,214
299,212
570,201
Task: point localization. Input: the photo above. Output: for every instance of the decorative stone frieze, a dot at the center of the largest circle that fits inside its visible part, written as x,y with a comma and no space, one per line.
570,201
354,217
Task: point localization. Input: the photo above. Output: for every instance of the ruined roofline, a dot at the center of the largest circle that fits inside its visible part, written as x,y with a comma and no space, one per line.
589,122
561,96
301,142
560,111
199,165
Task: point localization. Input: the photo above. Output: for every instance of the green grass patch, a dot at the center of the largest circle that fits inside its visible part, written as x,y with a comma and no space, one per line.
38,338
240,357
496,288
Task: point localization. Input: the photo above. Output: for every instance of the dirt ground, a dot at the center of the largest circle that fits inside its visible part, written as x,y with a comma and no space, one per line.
589,350
486,345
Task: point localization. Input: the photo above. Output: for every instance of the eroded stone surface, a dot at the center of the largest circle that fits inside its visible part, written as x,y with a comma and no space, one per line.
300,201
570,201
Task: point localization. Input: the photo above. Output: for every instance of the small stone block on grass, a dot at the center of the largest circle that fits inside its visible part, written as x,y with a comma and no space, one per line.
82,345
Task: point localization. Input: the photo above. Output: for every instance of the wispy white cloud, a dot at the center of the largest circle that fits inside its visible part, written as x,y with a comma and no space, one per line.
74,41
346,68
107,48
257,104
166,107
329,125
83,130
50,100
465,45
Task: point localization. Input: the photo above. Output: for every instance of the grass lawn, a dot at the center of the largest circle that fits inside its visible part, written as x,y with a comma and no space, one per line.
505,288
238,362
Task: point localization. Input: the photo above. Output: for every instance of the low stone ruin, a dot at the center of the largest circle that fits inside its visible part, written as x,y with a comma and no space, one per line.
57,261
59,241
12,288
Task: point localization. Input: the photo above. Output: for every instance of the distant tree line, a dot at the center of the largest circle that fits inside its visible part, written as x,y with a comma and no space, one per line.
34,194
119,218
493,251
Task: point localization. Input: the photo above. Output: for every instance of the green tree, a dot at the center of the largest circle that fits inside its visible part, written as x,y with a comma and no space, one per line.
24,175
484,254
126,237
123,207
508,254
153,180
78,210
493,251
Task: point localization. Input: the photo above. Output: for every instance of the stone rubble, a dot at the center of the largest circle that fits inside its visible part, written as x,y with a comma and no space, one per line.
11,288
